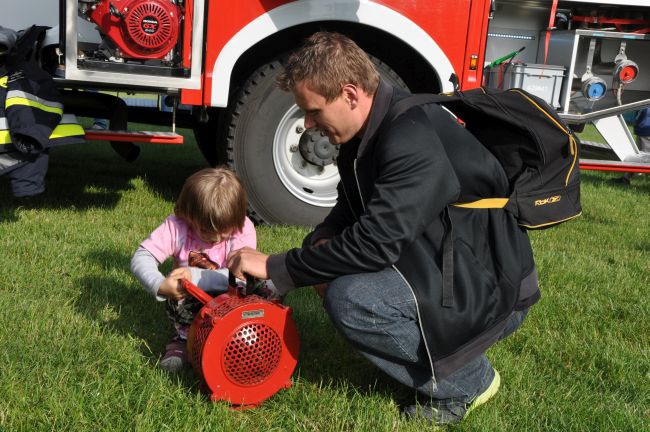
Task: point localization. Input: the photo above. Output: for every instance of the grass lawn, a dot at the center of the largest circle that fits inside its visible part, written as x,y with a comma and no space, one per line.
80,340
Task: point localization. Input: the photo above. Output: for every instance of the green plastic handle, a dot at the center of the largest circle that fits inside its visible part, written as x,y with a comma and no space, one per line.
506,57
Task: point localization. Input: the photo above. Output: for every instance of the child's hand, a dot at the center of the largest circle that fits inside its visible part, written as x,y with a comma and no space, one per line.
171,287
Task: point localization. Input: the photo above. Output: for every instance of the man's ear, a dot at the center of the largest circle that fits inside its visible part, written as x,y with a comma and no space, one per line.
351,95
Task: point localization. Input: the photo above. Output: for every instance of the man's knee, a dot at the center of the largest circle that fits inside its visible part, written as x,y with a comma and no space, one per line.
344,298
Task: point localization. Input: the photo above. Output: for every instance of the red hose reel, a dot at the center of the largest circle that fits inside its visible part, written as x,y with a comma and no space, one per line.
244,347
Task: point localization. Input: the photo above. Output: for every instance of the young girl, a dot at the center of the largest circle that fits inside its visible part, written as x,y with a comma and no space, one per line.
209,221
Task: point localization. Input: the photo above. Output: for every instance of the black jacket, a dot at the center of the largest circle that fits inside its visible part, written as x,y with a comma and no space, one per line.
397,185
31,112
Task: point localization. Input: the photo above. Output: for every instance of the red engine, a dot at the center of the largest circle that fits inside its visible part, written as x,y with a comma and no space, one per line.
141,29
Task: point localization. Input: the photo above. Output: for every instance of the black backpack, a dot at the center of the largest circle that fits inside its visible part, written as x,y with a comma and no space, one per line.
538,152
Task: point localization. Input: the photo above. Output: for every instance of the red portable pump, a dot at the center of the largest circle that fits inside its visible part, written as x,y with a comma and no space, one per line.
245,347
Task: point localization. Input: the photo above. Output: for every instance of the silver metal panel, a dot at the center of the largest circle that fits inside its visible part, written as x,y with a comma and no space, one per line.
641,100
570,49
562,51
618,136
72,72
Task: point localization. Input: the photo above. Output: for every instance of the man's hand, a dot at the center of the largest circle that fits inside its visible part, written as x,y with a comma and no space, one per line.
171,287
248,261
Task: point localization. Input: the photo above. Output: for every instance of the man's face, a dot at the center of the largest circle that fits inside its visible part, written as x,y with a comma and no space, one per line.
336,119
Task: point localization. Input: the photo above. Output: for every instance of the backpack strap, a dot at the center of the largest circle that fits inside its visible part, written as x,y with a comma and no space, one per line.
484,203
448,262
409,102
422,99
448,240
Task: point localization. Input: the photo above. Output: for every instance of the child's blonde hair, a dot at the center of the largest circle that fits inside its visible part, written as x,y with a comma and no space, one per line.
212,200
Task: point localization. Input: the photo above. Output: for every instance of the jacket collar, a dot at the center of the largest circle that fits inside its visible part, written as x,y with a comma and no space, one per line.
380,106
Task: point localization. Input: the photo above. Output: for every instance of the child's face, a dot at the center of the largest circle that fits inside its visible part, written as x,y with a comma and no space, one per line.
209,236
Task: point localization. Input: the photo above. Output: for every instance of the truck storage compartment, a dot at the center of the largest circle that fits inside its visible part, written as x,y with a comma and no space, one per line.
541,80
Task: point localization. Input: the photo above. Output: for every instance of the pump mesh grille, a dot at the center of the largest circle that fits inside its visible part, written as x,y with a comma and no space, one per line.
252,354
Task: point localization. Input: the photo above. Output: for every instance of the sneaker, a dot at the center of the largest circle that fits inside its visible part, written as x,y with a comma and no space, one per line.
489,392
175,356
440,413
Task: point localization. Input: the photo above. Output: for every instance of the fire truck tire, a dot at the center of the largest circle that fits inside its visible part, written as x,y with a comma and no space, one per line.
265,127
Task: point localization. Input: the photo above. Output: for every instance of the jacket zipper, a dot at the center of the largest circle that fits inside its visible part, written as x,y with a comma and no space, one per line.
415,299
356,179
347,198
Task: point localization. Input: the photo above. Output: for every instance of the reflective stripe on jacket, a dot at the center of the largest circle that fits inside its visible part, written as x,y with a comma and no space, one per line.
68,131
31,112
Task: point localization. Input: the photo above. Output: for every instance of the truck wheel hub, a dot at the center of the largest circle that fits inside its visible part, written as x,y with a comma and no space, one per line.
316,148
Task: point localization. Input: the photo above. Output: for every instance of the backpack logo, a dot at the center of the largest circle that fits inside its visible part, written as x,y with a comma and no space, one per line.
549,200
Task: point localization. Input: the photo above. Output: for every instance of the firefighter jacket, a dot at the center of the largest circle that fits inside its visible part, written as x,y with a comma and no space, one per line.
31,114
395,209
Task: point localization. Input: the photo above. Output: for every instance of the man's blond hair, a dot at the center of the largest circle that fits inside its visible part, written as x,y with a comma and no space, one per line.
212,200
326,62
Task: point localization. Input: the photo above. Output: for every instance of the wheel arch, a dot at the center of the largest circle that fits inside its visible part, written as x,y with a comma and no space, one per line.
402,45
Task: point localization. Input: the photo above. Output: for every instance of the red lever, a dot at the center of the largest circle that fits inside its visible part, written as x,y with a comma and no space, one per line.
196,292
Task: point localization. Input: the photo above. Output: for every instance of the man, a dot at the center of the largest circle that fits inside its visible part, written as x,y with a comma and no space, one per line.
380,250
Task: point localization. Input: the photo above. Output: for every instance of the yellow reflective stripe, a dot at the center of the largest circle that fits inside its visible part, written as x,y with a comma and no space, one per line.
484,203
67,130
3,82
30,103
61,131
574,151
5,138
550,223
573,146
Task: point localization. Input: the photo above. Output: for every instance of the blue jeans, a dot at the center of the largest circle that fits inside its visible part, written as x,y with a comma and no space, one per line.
376,313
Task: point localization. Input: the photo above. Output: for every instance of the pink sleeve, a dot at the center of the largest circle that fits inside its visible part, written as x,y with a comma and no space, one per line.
247,237
162,242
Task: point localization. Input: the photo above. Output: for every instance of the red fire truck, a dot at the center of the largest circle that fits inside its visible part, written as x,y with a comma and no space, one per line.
213,63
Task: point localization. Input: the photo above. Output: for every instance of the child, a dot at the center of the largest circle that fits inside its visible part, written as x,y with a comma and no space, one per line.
209,221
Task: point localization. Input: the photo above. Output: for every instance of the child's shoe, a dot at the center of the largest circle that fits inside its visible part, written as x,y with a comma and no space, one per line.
175,356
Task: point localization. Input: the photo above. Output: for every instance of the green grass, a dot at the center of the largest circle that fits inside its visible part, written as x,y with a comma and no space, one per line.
80,339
